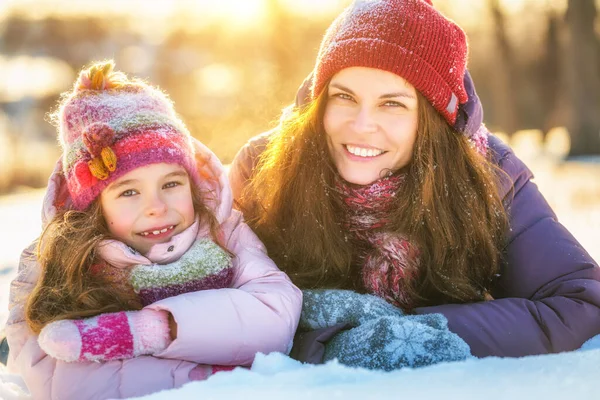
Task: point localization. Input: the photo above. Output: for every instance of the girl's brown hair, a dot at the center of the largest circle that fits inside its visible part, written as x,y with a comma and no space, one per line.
66,251
449,206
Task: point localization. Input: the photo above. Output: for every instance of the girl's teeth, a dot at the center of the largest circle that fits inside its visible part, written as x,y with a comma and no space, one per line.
157,232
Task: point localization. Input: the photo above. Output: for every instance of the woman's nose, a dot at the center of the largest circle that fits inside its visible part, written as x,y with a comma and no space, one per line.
364,121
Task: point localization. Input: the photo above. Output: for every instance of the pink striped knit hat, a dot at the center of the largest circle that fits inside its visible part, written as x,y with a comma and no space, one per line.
110,125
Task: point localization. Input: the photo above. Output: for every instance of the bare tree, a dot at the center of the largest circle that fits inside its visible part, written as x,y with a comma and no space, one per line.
583,78
549,72
504,86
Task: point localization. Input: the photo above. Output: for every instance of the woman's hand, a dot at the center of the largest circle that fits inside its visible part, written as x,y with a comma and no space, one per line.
392,342
328,307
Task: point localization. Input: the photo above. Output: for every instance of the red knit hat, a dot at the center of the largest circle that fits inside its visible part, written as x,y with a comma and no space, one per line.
409,38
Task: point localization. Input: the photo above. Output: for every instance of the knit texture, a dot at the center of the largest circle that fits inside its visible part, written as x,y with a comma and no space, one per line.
107,337
322,308
388,261
204,266
110,125
406,37
382,337
390,343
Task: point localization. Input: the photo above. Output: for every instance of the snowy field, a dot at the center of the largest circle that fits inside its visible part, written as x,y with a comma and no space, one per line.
573,190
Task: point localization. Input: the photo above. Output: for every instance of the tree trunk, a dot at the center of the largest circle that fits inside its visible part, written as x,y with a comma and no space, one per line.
549,76
504,85
583,78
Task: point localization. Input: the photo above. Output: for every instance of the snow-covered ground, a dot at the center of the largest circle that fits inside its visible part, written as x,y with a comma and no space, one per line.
573,189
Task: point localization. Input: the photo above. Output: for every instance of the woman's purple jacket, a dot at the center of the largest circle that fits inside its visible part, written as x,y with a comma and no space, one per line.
547,297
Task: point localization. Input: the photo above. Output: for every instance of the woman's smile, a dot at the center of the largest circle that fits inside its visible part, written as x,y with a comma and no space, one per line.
363,152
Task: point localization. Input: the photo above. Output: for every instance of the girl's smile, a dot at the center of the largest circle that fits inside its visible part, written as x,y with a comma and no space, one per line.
154,233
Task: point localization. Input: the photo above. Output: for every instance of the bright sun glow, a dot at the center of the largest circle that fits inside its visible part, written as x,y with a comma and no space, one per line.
239,12
311,7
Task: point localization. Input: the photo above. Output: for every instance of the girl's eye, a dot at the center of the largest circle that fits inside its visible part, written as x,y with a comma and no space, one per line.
128,193
171,185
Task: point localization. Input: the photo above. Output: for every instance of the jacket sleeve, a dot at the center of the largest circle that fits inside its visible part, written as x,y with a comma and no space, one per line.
548,292
47,378
259,313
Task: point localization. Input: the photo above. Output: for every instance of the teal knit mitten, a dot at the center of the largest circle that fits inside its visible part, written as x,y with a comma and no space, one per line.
392,342
328,307
382,337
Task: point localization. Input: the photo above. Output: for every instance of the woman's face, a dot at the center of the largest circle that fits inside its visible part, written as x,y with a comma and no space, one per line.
371,123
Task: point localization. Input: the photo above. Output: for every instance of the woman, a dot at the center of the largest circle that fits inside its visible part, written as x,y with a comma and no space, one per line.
386,182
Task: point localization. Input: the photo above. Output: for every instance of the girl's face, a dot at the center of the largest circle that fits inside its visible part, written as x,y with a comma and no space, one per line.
371,123
148,205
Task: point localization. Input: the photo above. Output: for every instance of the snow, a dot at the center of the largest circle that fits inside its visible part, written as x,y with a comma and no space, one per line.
571,375
275,376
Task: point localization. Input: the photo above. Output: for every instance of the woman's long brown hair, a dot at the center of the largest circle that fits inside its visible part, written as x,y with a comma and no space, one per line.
449,206
66,250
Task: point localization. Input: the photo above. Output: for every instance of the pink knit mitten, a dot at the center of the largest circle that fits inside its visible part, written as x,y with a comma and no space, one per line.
107,337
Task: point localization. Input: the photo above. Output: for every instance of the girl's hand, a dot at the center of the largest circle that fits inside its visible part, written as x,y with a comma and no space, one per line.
113,336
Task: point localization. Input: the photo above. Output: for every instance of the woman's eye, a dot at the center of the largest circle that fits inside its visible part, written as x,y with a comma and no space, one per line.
128,193
342,96
171,185
394,104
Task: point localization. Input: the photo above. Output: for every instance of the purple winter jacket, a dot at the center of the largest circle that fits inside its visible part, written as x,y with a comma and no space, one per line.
547,298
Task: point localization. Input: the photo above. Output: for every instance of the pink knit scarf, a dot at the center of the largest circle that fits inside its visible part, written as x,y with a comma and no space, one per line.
389,262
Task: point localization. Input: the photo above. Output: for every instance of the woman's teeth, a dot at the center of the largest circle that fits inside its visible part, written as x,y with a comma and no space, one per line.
362,152
157,232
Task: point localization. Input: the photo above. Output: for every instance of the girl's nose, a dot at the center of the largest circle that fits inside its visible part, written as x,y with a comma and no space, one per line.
155,206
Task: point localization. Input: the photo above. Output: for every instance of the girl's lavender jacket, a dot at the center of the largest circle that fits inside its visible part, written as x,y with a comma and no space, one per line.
547,298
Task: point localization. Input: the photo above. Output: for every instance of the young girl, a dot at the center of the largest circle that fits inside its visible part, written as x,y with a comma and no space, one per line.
143,264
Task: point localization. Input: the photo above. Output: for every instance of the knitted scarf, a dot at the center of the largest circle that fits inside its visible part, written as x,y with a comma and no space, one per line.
388,260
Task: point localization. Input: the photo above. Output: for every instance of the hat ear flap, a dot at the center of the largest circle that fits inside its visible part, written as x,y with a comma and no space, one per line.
62,199
57,195
470,114
304,93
